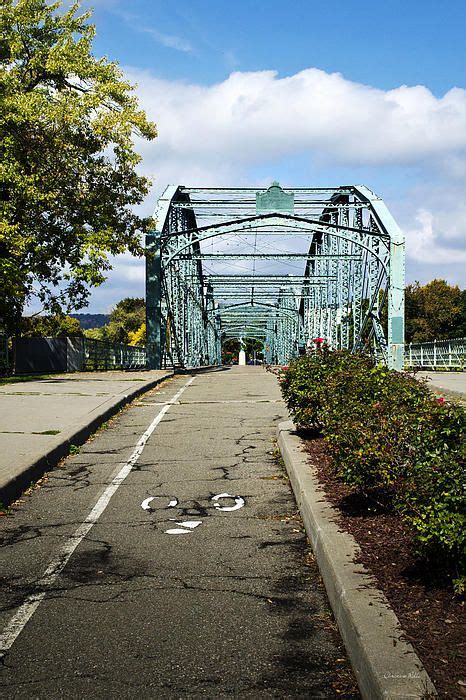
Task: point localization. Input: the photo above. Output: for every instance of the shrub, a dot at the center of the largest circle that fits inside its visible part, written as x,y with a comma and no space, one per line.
304,381
431,497
385,430
367,423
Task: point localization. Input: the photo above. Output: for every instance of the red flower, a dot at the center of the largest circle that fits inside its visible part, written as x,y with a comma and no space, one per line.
441,400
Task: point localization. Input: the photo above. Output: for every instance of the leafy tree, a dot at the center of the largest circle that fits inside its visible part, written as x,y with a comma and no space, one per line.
433,311
68,177
99,333
126,317
50,326
138,337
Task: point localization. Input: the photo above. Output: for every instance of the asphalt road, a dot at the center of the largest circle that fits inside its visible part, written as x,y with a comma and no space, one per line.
454,382
124,576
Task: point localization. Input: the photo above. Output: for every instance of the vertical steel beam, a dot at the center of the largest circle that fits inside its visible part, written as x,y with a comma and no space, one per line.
396,305
153,301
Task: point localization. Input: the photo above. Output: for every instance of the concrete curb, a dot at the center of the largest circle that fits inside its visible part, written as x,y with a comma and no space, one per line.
13,488
200,370
385,665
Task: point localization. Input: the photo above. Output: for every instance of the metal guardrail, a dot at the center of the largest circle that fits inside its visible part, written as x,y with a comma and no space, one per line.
102,355
438,354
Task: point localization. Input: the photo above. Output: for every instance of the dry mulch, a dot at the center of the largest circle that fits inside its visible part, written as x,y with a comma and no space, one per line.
421,596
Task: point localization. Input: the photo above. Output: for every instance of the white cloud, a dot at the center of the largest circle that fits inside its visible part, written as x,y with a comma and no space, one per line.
169,40
224,134
424,245
138,24
253,117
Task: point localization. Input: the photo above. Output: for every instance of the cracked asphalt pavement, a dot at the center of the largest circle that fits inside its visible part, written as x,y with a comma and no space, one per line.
231,606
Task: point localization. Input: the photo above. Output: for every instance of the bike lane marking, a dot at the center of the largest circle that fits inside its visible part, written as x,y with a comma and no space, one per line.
60,560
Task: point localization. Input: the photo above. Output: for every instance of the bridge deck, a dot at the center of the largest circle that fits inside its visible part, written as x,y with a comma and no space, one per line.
449,382
227,607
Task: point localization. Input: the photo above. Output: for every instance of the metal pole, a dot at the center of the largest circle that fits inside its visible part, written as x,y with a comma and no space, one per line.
153,301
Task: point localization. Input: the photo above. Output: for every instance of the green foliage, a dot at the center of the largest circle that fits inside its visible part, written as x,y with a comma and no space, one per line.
50,326
434,311
385,430
126,317
126,325
432,494
303,384
138,337
127,321
68,178
99,333
367,415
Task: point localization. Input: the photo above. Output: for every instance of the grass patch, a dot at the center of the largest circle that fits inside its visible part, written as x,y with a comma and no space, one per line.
24,378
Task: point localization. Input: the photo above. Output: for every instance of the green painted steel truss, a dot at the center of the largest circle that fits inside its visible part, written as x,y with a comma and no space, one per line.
285,266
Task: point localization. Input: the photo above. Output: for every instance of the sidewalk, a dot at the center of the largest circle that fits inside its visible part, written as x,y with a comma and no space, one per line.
40,419
453,383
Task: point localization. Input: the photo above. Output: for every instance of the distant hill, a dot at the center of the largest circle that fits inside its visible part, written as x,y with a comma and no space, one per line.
91,320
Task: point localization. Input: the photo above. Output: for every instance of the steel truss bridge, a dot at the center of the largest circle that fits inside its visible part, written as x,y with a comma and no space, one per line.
283,266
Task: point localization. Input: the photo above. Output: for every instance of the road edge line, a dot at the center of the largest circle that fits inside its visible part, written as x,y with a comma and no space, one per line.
59,561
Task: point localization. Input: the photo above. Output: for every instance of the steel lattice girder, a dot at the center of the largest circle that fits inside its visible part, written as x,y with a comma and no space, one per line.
349,249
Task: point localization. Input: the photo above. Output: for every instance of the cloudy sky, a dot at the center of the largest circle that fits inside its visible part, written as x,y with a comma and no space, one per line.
309,93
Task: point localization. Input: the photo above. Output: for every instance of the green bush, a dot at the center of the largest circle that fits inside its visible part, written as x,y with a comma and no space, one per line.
431,497
304,382
367,423
385,430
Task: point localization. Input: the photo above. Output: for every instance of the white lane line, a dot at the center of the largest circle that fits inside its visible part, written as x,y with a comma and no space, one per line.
227,401
60,560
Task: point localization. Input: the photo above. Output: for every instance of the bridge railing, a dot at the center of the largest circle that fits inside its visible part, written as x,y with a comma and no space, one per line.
38,355
103,355
438,354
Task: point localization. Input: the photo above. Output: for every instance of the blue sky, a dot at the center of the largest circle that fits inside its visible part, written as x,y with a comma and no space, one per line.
384,43
308,93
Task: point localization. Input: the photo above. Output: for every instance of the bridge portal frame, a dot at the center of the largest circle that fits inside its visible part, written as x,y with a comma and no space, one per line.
340,225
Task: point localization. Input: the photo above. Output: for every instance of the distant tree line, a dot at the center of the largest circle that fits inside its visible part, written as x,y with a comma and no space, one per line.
125,324
91,320
434,311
